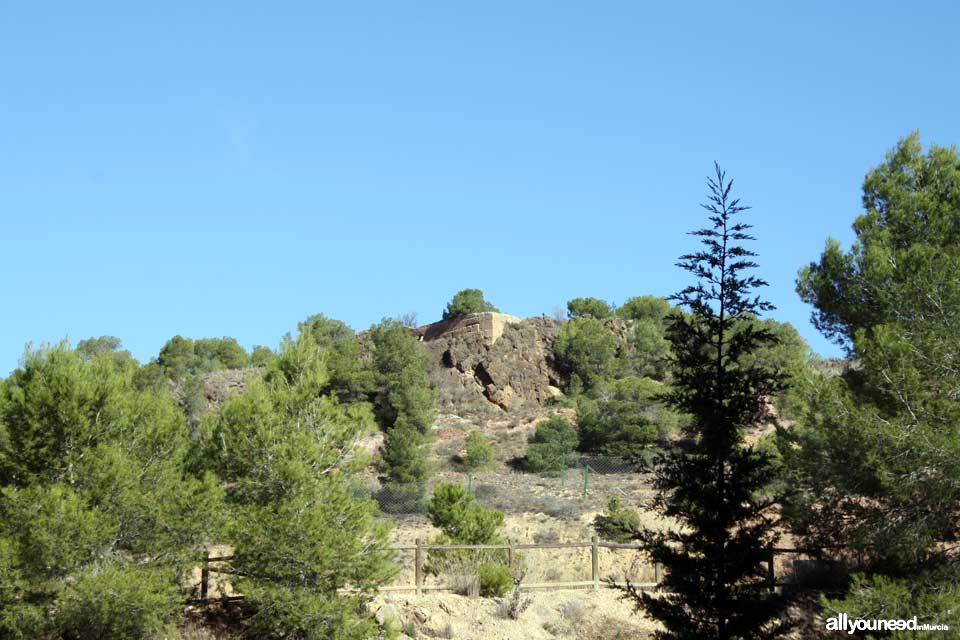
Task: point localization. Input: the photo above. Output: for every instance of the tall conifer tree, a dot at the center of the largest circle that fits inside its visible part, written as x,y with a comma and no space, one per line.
717,489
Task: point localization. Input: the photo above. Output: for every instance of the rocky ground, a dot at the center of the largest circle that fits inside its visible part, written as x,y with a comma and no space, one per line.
583,615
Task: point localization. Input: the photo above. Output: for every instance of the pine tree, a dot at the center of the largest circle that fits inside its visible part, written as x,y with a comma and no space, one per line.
288,448
717,489
405,404
100,518
874,455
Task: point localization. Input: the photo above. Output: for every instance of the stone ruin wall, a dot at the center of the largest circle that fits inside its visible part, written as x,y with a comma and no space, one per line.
496,358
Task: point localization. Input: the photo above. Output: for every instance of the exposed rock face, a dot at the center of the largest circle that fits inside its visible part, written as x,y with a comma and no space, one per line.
220,385
493,357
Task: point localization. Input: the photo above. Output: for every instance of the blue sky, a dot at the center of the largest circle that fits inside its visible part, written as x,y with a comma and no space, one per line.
216,168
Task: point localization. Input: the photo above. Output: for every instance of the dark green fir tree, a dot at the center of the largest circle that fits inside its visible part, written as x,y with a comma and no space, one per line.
717,490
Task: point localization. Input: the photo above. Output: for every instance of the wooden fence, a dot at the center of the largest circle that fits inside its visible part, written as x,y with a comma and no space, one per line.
594,544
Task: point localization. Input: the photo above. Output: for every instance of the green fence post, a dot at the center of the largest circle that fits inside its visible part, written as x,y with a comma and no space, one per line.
586,478
563,469
470,484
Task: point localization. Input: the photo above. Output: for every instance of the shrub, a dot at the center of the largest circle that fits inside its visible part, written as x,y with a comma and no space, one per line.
182,356
19,619
220,353
645,308
648,351
485,491
460,575
551,444
617,523
589,308
118,601
495,579
462,520
262,356
547,536
479,453
513,608
403,455
573,611
351,376
587,349
559,508
466,302
626,419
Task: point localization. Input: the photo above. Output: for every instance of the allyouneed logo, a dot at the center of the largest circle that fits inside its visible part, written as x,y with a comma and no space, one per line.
843,622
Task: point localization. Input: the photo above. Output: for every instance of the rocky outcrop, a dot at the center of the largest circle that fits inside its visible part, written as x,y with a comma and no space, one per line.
493,358
220,385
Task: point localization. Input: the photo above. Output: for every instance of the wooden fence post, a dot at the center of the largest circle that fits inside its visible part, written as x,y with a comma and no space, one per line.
510,554
418,567
595,562
657,573
771,573
204,575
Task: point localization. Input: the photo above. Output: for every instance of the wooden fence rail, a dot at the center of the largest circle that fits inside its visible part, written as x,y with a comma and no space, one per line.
594,544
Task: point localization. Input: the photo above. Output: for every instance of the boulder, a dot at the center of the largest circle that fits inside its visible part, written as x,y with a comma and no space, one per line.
493,358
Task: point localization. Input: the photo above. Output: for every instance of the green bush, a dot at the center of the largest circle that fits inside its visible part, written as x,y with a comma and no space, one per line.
120,602
220,353
19,619
495,579
403,456
262,356
589,308
351,377
626,419
648,351
466,302
617,523
182,356
587,349
551,445
645,308
479,452
462,520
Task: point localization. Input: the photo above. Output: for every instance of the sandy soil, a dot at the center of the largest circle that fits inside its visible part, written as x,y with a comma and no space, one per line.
578,615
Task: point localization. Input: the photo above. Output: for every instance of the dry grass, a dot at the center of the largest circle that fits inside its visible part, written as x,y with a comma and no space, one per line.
609,628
